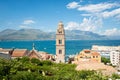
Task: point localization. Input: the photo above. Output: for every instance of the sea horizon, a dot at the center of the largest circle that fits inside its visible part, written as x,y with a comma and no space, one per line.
72,46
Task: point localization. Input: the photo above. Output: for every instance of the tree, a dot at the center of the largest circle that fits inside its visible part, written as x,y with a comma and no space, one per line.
36,61
105,60
115,76
34,69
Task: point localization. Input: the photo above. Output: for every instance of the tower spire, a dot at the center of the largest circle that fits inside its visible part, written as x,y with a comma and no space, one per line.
33,46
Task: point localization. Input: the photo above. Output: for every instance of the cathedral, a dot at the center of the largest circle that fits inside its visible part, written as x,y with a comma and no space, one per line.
60,43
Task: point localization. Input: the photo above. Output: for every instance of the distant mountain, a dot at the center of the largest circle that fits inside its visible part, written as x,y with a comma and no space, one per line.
83,35
7,31
37,34
25,34
114,37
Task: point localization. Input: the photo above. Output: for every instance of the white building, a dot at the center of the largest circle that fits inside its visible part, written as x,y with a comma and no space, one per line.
105,50
115,57
5,53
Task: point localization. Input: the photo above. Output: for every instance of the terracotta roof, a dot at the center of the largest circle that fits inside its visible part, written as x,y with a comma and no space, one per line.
95,53
19,52
41,55
106,70
35,53
91,52
87,51
44,55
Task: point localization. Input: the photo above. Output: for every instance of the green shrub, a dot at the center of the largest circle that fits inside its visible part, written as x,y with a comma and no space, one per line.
34,69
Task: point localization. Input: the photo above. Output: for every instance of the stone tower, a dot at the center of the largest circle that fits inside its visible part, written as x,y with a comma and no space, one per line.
60,43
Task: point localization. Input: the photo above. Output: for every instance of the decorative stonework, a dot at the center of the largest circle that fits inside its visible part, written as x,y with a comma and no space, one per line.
60,43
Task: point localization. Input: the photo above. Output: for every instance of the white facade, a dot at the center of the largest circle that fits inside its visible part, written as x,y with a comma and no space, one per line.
105,50
115,57
5,53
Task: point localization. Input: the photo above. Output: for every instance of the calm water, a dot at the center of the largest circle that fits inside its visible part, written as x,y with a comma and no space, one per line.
72,47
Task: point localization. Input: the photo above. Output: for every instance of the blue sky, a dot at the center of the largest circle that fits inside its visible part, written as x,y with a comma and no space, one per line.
98,16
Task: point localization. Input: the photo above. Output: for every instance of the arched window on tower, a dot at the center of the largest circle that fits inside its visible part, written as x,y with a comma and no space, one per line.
60,31
60,41
60,51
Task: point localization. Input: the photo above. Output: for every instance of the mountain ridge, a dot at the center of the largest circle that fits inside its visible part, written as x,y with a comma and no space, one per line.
37,34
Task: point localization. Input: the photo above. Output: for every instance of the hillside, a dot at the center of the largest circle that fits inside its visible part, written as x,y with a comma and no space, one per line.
37,34
83,35
25,34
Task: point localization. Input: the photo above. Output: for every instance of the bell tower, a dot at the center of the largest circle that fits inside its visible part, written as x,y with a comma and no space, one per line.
60,43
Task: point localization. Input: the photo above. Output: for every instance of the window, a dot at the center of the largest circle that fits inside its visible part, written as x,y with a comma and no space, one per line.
60,32
93,56
60,41
60,51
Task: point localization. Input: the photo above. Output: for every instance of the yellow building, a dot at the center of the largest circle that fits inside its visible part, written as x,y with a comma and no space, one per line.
88,56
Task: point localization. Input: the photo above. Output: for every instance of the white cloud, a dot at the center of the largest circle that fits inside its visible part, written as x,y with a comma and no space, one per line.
95,14
28,22
72,5
112,32
22,26
86,14
72,25
106,9
112,13
88,24
92,8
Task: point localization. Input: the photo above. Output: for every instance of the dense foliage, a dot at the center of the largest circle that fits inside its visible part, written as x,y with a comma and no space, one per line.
34,69
105,60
